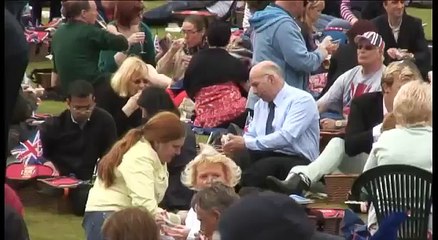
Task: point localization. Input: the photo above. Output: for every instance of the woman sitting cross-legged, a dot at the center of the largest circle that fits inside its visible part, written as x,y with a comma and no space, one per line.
209,166
119,96
127,21
410,142
217,80
134,172
152,101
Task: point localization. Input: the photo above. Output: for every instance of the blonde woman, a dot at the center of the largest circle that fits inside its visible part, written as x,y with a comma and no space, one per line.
134,172
209,166
412,110
410,142
119,96
313,13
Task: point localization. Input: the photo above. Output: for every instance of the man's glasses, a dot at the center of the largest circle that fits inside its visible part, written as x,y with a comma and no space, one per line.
86,109
367,47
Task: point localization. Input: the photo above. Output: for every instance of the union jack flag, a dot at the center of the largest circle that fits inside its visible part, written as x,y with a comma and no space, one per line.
29,152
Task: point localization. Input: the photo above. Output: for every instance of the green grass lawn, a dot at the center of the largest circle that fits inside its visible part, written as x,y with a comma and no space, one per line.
426,16
44,224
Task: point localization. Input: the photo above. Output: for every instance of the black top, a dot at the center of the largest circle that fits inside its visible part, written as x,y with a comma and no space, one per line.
366,112
109,100
74,150
177,195
367,9
410,37
213,66
332,7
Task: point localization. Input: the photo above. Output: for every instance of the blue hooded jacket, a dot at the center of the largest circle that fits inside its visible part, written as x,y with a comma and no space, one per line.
278,38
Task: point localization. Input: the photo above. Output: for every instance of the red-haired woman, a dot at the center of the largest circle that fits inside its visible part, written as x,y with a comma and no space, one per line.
134,172
127,21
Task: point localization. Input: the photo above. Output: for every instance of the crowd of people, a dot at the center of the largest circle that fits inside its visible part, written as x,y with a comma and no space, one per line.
123,124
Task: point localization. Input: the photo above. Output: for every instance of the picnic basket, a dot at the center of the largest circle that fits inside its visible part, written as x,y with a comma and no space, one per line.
338,186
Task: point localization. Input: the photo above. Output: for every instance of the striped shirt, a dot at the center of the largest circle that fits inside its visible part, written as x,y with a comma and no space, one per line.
220,8
346,12
246,16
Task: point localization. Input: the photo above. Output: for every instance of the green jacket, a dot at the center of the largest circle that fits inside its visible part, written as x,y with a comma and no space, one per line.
76,47
108,64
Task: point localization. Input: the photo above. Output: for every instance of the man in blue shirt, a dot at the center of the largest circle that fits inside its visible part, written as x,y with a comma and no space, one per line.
285,129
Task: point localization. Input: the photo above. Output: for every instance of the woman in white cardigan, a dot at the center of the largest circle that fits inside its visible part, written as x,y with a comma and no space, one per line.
410,142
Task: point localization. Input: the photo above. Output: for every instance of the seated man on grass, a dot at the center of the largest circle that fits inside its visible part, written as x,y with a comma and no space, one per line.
361,79
284,131
74,141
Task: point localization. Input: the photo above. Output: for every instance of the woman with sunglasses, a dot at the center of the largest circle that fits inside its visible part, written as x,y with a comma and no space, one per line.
127,21
119,96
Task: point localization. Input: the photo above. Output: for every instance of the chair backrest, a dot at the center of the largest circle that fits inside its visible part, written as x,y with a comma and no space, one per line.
399,188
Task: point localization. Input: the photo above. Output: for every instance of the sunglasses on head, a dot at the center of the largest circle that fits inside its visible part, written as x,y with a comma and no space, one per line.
367,47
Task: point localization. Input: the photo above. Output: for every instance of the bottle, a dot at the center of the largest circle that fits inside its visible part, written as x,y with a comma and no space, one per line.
247,122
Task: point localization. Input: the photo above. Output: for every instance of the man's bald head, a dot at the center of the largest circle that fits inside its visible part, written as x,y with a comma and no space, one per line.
266,79
267,67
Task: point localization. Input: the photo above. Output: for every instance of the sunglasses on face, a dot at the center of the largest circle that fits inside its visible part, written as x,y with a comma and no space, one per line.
138,81
367,47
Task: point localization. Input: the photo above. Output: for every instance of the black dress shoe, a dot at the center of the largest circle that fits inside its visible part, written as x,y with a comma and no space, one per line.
293,185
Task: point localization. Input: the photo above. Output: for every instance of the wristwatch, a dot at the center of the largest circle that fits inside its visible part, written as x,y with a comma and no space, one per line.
338,123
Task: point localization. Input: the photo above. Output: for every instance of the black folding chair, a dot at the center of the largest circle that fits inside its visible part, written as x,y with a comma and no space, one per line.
398,188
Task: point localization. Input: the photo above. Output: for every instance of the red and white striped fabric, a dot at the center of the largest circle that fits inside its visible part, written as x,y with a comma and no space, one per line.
346,12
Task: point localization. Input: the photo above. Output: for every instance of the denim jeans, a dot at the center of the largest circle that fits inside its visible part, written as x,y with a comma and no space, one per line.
93,222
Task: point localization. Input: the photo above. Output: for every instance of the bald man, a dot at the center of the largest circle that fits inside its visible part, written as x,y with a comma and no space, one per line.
284,130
